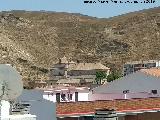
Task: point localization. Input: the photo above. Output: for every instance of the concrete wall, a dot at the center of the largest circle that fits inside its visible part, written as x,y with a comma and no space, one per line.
93,97
112,96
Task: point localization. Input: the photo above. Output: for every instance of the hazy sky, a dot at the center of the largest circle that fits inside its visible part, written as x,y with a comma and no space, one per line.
76,6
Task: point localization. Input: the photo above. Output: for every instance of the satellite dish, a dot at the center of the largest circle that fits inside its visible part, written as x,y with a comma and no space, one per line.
11,85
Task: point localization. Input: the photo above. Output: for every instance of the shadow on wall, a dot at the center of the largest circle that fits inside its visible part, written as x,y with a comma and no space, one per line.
43,109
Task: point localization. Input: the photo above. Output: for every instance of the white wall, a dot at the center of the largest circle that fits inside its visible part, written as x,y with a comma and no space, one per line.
112,96
5,107
158,64
81,96
20,117
50,97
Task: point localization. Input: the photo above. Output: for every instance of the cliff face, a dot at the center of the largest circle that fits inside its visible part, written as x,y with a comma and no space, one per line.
33,41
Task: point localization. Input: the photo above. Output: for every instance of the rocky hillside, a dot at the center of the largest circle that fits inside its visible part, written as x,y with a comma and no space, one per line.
33,41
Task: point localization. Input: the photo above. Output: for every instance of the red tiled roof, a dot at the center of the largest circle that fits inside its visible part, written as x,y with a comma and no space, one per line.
89,107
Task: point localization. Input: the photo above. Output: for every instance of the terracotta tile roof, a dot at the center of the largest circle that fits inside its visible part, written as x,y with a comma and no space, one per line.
89,107
152,71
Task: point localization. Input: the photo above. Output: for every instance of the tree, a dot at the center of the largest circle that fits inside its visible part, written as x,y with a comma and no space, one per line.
100,75
113,76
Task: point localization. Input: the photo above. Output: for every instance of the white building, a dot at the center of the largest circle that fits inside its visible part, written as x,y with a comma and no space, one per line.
66,94
5,113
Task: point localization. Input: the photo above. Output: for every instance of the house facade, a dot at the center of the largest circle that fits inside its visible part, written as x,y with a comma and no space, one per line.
66,94
131,67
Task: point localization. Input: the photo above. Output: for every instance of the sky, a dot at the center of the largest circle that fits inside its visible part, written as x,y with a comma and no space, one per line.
100,10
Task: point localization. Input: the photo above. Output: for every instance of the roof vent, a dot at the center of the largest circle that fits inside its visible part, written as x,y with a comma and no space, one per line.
125,91
154,91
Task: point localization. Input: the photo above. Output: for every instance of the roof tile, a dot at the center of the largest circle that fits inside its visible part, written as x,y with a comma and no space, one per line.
119,105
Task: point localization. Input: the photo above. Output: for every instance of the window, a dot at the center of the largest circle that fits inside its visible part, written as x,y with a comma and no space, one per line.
143,65
76,96
149,65
58,97
59,74
154,91
69,96
63,97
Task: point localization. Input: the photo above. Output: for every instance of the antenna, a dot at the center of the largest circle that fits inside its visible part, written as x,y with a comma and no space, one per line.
3,89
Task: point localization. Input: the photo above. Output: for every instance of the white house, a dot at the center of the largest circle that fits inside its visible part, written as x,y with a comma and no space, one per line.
66,94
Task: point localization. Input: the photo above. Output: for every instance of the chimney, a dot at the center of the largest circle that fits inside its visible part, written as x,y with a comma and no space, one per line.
60,60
